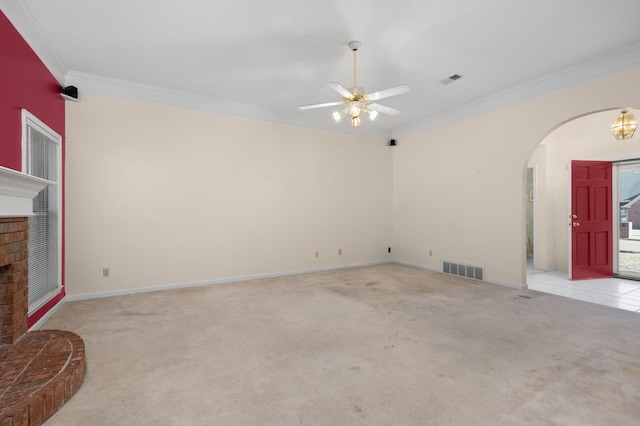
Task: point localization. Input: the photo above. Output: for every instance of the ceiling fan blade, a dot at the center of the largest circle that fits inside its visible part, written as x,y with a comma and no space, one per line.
341,90
312,106
383,109
398,90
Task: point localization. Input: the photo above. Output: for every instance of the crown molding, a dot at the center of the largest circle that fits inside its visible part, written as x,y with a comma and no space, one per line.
104,86
22,20
110,87
618,61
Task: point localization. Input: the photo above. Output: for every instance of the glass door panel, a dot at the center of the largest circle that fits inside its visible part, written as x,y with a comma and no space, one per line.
629,220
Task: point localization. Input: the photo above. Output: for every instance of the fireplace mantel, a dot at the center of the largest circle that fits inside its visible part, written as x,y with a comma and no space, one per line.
17,191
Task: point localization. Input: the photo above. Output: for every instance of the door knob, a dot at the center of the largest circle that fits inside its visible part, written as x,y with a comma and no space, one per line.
575,224
573,216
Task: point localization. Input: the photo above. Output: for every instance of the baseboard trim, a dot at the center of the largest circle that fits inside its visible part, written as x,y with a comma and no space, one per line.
510,285
99,295
431,268
38,324
417,265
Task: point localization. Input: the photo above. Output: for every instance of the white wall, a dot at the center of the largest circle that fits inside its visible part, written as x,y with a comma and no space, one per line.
459,189
585,138
166,196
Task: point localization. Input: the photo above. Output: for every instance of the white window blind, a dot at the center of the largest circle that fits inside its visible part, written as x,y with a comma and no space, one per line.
41,154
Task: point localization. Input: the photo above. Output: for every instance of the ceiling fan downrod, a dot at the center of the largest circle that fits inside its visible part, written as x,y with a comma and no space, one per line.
354,45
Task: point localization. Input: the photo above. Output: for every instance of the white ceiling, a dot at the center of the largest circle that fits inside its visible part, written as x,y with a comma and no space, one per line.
263,58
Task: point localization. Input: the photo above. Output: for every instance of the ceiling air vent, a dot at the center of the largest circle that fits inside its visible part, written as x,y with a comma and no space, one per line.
451,79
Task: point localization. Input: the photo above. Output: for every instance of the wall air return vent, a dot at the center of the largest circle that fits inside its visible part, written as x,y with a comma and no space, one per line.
463,270
451,79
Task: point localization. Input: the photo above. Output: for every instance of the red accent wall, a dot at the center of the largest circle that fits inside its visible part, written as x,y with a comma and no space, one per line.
25,82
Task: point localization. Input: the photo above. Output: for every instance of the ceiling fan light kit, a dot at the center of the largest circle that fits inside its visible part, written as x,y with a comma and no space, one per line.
355,99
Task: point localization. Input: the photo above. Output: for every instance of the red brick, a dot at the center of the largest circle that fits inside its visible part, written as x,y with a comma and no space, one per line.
36,377
20,254
10,277
13,237
8,224
6,259
22,225
59,395
7,288
10,319
20,265
19,331
47,403
47,352
14,308
6,227
7,299
7,309
20,416
35,411
19,393
68,386
20,293
7,329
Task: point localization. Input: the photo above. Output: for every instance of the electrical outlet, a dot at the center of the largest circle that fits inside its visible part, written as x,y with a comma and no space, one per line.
317,254
339,252
430,253
105,272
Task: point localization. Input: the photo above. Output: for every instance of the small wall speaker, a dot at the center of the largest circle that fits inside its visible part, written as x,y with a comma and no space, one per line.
70,93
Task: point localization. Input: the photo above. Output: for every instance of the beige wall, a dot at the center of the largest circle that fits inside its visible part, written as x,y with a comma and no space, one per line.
166,196
585,138
543,211
459,189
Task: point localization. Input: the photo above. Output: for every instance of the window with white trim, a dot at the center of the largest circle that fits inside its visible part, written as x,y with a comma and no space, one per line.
41,153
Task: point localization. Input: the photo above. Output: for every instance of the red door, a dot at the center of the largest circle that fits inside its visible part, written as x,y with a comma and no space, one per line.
591,222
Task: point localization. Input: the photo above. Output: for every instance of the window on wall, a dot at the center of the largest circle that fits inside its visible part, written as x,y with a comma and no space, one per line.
42,158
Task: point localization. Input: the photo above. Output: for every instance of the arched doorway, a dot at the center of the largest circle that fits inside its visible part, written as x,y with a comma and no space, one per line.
587,137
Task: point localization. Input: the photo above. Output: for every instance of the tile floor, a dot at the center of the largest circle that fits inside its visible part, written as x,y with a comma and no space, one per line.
615,292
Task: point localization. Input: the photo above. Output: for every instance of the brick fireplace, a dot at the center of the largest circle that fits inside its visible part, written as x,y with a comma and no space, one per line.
43,369
17,191
13,278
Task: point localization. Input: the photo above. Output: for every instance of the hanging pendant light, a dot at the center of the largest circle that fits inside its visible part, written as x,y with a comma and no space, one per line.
625,125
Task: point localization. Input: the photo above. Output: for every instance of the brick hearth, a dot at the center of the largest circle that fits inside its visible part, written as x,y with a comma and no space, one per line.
39,374
39,370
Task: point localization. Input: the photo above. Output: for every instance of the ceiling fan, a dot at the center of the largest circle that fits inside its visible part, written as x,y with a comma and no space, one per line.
357,101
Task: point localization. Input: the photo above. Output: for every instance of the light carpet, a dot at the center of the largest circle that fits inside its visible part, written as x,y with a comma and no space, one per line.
378,345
